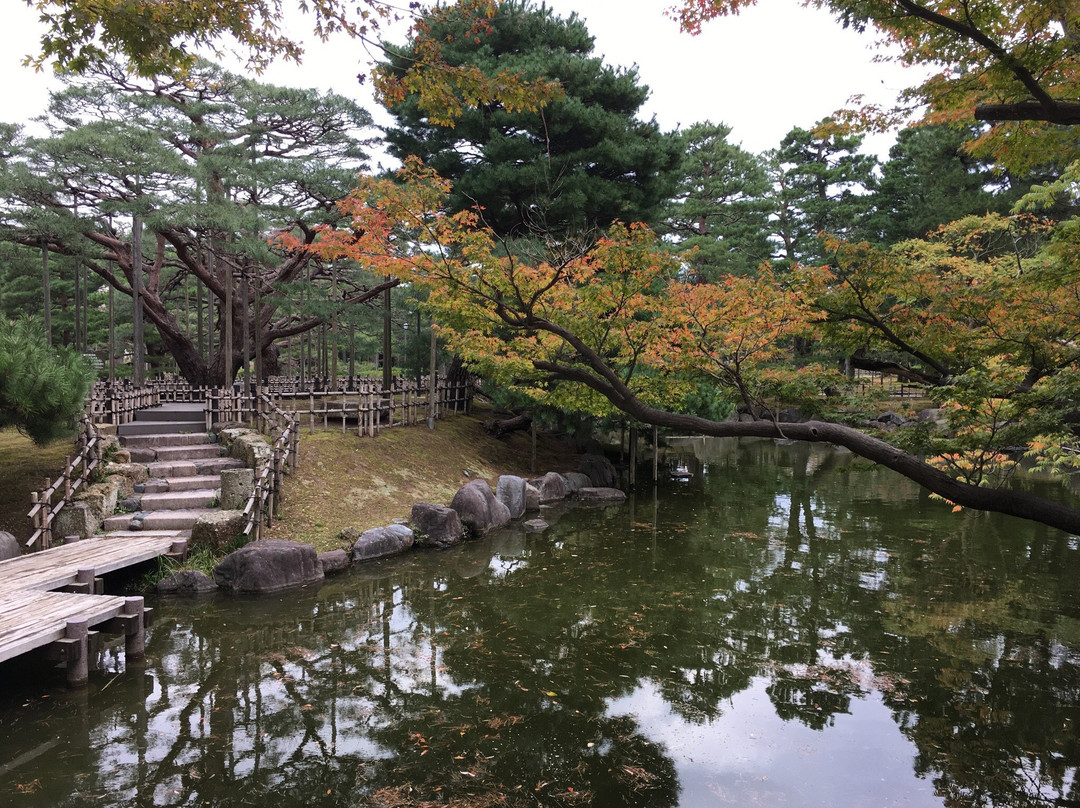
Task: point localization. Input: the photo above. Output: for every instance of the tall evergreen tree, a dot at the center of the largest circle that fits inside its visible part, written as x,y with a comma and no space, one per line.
719,210
820,184
931,179
579,163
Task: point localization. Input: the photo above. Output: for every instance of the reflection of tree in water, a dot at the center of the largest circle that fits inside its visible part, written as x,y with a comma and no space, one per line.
489,672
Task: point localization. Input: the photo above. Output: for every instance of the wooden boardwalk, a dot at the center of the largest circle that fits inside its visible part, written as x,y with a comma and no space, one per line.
34,616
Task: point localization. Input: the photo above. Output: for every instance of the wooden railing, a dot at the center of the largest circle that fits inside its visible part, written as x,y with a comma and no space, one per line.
368,407
257,409
275,409
77,472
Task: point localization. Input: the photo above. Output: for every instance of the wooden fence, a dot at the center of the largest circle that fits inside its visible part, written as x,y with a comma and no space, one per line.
53,496
276,409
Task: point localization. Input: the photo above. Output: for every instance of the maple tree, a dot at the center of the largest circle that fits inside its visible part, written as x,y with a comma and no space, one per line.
1013,63
166,37
619,322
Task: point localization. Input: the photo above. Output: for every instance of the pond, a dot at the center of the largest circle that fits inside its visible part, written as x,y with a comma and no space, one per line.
787,627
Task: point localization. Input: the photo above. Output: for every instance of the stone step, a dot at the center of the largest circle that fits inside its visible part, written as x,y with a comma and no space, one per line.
179,500
173,412
160,428
166,439
155,520
171,453
192,468
160,485
178,534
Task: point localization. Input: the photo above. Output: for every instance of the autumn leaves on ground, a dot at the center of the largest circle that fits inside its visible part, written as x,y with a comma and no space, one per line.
349,481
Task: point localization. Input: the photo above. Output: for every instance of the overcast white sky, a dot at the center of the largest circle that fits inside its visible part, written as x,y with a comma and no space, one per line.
773,67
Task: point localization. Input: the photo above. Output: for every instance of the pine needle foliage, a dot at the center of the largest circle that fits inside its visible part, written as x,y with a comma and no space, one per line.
42,389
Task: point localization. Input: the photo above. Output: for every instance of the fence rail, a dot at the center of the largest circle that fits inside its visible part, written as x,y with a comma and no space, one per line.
276,409
77,473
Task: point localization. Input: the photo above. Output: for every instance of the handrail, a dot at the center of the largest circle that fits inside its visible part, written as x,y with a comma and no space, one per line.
115,403
76,473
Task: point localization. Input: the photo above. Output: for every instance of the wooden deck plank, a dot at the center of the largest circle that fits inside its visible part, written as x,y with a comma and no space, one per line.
32,619
58,566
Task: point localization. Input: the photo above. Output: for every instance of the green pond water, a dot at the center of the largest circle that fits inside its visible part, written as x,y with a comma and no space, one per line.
787,628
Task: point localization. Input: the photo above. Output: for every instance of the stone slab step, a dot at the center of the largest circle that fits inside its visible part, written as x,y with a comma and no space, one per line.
156,520
173,412
192,468
170,453
194,482
166,439
160,428
179,500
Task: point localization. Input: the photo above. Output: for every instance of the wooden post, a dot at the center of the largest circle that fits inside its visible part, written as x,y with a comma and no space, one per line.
655,452
134,631
77,630
433,376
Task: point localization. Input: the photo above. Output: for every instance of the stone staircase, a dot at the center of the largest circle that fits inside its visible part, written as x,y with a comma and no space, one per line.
185,469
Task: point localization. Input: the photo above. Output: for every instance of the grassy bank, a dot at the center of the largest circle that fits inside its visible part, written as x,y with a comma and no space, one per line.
348,481
25,467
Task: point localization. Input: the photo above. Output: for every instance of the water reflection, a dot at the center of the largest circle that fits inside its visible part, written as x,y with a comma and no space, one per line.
788,627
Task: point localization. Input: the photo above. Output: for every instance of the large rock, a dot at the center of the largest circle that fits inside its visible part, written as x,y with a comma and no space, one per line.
269,565
380,542
436,525
217,531
600,470
9,546
532,498
552,487
186,582
75,519
333,561
478,508
576,480
601,495
236,487
101,498
510,491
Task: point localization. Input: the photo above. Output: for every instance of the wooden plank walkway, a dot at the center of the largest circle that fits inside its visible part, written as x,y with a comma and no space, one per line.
31,619
32,616
59,566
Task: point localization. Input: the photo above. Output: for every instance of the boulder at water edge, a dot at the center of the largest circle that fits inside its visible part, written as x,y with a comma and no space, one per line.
269,565
186,582
532,498
552,487
436,525
600,496
600,470
510,491
478,508
576,480
333,561
380,542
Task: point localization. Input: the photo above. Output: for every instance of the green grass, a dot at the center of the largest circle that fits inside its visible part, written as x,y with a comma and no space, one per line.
25,467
